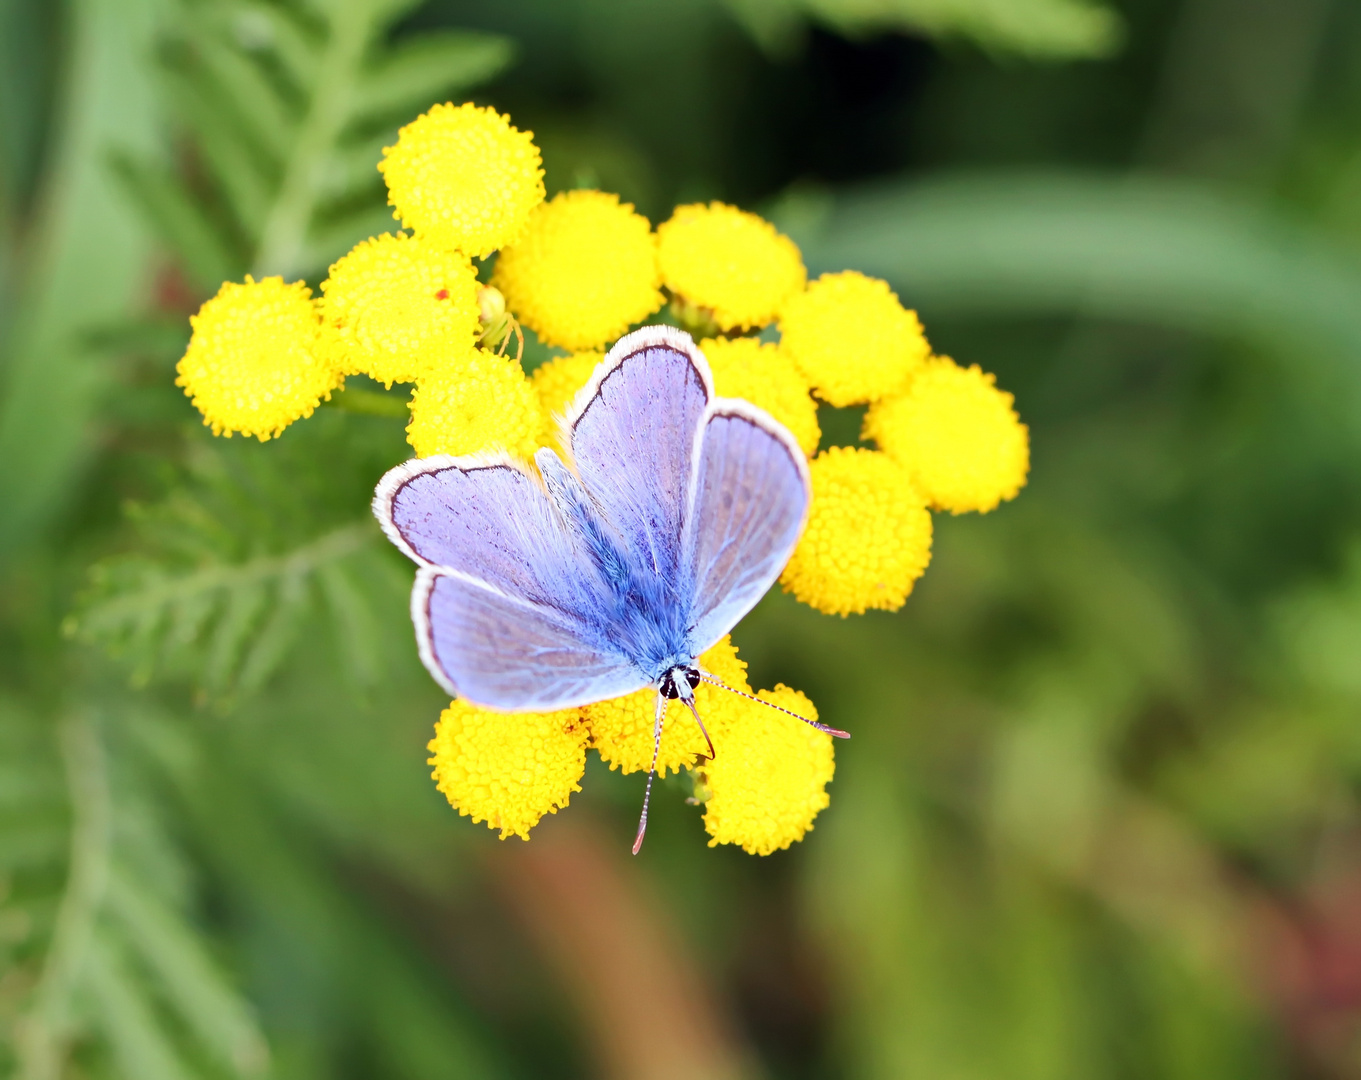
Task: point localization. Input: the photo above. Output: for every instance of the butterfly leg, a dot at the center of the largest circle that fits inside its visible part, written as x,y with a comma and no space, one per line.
647,794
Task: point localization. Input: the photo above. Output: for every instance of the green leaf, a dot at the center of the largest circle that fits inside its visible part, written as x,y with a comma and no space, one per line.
1166,252
190,982
1039,29
421,71
127,1020
181,221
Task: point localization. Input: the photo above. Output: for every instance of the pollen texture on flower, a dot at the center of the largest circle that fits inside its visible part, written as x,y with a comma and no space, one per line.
508,769
868,537
485,404
462,177
252,364
769,780
621,728
583,270
764,375
957,434
395,308
731,262
851,338
557,382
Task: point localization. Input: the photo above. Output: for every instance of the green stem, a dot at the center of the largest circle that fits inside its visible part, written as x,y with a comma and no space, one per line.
46,1029
285,232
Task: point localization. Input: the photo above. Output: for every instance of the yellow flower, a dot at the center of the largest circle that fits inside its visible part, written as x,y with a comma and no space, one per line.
851,338
252,364
733,263
868,537
958,436
463,178
395,307
508,769
765,376
485,404
769,779
621,728
582,271
557,382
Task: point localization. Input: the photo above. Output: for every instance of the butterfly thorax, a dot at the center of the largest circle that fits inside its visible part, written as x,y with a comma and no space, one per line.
645,619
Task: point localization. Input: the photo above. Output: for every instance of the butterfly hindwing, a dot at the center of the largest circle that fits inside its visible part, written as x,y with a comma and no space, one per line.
750,503
509,654
508,606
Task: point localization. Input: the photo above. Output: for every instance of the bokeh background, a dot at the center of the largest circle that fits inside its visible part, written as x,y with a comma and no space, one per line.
1099,817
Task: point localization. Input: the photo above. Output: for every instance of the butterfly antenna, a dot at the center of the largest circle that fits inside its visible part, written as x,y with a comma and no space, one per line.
647,794
770,704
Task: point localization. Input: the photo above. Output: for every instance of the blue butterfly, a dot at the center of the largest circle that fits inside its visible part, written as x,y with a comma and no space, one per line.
614,570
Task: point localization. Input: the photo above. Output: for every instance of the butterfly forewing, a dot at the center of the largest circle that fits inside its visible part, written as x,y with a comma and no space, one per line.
632,435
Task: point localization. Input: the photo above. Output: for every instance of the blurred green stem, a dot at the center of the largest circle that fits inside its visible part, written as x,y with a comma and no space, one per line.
370,403
285,230
42,1041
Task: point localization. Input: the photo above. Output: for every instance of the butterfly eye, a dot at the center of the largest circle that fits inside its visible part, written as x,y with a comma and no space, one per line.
692,676
668,686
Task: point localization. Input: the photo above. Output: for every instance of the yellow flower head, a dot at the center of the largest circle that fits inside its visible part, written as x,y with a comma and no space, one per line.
463,178
557,382
584,269
851,338
868,537
394,308
252,364
958,436
508,769
765,376
486,403
769,779
733,263
621,728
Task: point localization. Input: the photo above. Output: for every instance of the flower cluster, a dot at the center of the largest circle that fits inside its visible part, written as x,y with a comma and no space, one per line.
579,270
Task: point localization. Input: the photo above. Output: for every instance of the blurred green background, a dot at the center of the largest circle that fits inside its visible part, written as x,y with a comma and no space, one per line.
1099,817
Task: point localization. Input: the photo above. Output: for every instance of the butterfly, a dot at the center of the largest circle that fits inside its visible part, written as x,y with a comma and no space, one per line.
610,570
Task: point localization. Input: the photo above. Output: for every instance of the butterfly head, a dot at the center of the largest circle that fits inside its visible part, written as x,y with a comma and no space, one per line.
680,682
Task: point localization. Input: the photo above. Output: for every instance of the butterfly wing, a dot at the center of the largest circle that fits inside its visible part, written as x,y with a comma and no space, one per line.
508,608
632,434
750,504
507,653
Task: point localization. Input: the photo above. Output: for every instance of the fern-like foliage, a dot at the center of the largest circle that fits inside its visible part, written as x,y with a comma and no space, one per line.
117,977
284,109
225,572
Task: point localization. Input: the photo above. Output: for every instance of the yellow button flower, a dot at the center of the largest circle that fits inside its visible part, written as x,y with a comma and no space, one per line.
557,382
730,262
584,269
508,769
958,436
868,537
394,308
485,404
621,728
765,376
851,338
463,178
769,780
252,364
